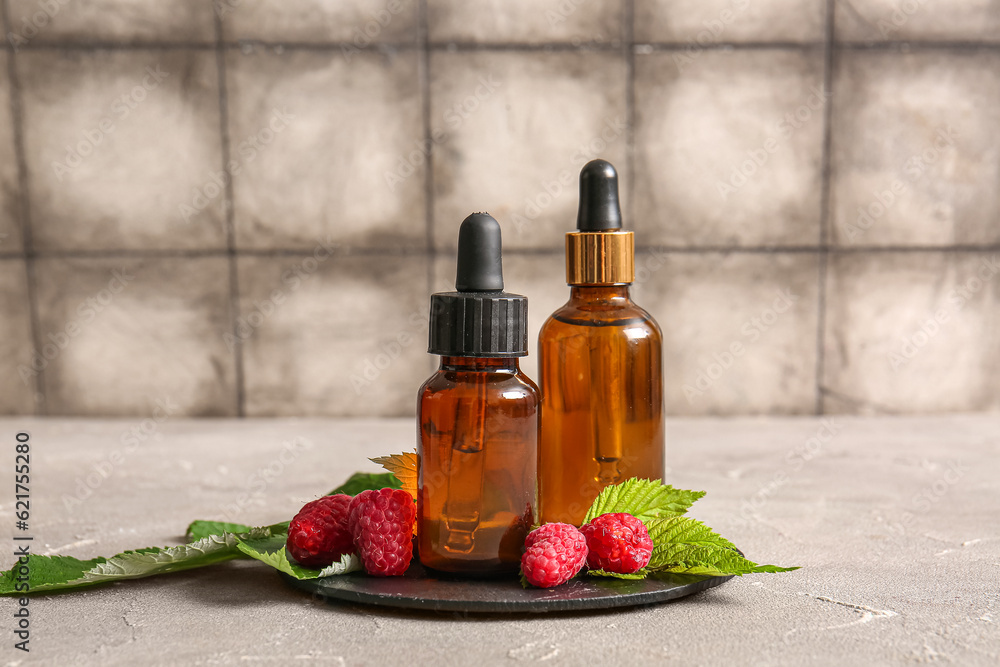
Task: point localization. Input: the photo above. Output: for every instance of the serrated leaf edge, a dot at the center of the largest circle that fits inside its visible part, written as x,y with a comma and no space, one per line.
643,499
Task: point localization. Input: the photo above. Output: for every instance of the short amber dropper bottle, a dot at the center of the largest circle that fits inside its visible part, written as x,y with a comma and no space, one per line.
478,419
600,365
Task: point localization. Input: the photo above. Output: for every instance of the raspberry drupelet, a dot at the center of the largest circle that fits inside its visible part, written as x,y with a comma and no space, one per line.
382,524
318,535
617,543
554,554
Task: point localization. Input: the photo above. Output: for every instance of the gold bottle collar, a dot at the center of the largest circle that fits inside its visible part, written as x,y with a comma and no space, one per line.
600,258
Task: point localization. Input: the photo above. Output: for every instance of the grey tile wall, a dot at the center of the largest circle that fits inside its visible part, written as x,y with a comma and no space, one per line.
299,174
915,160
911,332
240,207
365,22
118,143
331,335
10,230
514,129
760,184
113,21
740,329
123,335
705,22
890,20
19,372
536,22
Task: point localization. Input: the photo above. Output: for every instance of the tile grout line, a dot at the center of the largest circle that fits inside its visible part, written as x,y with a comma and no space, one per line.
229,212
133,253
424,83
628,28
824,210
40,399
908,46
424,53
918,45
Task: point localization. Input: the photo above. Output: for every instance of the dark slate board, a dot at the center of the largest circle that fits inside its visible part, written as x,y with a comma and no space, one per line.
420,590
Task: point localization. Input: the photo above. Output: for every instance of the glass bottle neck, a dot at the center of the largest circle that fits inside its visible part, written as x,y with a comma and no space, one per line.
600,294
487,364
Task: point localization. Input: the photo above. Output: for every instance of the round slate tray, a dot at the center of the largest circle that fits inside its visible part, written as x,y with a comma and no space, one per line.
419,590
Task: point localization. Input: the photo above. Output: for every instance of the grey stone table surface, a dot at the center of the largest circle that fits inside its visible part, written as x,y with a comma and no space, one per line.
895,522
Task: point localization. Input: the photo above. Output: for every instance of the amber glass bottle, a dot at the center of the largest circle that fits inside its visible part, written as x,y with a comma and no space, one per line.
600,365
478,419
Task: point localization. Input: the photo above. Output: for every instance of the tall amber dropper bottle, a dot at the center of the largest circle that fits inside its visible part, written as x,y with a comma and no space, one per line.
478,419
600,360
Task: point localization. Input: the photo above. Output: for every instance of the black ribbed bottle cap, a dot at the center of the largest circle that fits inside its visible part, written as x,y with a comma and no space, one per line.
479,319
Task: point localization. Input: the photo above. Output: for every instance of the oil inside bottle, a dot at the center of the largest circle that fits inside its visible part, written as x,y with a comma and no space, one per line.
478,417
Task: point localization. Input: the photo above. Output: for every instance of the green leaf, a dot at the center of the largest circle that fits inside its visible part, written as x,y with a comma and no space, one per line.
715,561
56,573
201,529
271,550
363,481
641,574
46,573
642,498
684,530
684,545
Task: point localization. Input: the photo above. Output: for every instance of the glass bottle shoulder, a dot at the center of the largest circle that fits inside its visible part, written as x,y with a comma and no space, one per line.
500,385
623,313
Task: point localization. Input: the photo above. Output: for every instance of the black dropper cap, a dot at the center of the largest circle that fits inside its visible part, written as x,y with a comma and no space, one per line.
599,209
480,266
479,319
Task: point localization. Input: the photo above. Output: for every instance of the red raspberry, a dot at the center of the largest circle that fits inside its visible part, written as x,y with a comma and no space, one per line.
382,523
554,554
354,511
617,543
318,534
